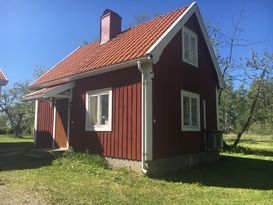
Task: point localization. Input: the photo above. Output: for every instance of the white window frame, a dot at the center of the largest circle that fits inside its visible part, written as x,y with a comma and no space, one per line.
88,126
196,96
194,35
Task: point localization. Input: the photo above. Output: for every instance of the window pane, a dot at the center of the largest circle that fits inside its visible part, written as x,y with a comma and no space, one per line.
194,112
192,50
186,110
93,110
104,109
186,46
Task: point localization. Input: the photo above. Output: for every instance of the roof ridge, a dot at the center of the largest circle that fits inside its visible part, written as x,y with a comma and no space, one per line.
146,22
160,16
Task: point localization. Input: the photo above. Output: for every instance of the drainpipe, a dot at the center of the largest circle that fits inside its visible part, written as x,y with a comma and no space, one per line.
143,165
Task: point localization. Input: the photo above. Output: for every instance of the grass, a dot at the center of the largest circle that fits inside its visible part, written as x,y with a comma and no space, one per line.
239,178
12,139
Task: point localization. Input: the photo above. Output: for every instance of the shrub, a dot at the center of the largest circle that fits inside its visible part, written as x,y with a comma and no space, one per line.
78,161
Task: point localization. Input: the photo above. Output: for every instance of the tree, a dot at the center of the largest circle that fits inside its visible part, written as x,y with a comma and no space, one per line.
241,107
259,70
19,113
39,71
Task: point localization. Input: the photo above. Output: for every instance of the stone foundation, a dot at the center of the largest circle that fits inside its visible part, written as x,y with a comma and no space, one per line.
174,164
168,165
135,165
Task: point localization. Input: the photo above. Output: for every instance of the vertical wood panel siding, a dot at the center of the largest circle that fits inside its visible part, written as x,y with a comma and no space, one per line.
45,124
124,141
172,75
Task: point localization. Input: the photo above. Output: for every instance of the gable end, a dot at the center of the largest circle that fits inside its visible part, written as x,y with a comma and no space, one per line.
156,50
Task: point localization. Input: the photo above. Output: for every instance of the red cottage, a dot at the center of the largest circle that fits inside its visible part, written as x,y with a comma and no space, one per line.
144,97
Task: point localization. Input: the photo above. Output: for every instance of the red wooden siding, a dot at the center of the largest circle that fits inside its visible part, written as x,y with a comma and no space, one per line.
45,124
124,141
172,75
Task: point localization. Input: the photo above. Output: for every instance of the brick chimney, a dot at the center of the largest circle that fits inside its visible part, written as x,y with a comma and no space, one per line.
110,25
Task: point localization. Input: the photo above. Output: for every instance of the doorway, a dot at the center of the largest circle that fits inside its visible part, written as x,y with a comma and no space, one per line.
61,135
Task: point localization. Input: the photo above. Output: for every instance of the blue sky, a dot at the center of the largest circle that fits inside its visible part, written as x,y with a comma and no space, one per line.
42,32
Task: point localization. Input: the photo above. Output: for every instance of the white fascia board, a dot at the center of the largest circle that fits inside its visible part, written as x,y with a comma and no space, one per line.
157,48
34,97
211,50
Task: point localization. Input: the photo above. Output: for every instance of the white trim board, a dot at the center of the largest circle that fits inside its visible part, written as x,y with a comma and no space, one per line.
157,48
36,122
54,123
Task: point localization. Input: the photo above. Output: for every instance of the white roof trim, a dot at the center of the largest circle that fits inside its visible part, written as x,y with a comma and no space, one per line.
55,92
157,48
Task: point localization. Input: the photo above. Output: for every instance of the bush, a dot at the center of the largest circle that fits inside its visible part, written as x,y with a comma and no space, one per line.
9,130
2,131
74,161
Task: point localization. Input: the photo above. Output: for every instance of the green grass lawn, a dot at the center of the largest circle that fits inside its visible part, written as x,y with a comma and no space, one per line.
12,139
238,178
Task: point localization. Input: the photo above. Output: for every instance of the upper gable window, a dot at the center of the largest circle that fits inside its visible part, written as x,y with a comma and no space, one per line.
190,47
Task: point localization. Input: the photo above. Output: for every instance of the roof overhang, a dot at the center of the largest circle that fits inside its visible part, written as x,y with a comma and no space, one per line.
92,73
51,92
157,48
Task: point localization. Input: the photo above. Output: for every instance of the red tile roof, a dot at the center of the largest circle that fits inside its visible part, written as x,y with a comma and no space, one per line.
129,45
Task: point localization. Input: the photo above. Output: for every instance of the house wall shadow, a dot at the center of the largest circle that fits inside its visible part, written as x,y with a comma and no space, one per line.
21,155
229,172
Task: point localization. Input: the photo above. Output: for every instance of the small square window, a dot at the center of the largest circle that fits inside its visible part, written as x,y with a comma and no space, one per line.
190,47
99,110
190,111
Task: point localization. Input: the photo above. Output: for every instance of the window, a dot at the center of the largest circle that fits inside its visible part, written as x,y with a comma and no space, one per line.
190,48
190,111
99,110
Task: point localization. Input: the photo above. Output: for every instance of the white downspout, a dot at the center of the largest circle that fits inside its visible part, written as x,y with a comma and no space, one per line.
36,123
143,165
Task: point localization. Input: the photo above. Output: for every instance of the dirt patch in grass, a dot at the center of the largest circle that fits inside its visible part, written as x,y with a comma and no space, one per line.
11,195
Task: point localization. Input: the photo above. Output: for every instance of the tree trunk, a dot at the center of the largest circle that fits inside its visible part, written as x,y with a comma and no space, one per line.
226,146
17,132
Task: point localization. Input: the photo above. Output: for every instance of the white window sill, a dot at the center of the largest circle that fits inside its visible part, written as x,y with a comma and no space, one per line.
99,128
191,129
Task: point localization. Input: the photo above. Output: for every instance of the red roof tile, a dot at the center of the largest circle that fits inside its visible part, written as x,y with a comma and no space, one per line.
129,45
